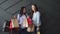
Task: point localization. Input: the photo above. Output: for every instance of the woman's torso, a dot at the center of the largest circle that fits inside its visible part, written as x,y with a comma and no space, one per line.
35,17
21,20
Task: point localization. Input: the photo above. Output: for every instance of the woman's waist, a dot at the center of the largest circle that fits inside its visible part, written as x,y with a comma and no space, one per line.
36,24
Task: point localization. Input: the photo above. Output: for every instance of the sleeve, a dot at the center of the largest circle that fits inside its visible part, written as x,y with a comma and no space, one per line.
18,18
38,19
21,20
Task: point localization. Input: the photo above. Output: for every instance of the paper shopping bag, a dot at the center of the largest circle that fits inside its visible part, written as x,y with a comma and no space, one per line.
25,23
15,23
30,28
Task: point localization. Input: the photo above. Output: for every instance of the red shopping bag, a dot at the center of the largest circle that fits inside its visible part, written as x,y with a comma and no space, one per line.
29,21
10,27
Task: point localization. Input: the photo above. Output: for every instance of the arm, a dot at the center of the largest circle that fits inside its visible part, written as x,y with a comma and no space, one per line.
18,18
38,19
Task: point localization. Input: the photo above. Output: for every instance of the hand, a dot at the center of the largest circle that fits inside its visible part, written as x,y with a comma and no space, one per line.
38,28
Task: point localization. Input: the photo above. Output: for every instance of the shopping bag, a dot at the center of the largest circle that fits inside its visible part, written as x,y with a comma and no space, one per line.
25,23
30,28
29,21
15,23
10,27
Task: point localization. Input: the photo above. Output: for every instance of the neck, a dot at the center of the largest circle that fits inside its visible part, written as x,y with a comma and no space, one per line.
34,10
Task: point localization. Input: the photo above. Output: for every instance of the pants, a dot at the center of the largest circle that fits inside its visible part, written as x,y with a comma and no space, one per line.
23,31
35,30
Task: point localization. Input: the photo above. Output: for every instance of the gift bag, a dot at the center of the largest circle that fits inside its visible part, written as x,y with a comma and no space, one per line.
29,21
10,27
30,25
14,26
25,23
15,23
30,28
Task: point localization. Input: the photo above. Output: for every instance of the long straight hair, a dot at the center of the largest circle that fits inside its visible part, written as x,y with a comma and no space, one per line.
36,9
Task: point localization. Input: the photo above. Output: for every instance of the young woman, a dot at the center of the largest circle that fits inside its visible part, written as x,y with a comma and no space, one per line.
21,17
36,17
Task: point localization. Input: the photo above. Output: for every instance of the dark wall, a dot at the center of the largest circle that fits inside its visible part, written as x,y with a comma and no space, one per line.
50,16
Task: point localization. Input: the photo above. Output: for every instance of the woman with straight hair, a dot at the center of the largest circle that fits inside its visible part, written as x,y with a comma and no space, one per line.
36,18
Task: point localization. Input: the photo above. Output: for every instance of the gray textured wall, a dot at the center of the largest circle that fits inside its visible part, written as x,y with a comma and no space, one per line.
49,13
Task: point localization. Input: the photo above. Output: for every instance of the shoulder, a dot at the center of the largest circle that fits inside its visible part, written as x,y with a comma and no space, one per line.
37,12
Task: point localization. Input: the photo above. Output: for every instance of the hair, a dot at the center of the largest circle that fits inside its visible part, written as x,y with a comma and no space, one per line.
21,11
36,9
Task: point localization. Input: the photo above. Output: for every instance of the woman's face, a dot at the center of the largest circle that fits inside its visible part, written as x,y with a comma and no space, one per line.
24,10
33,8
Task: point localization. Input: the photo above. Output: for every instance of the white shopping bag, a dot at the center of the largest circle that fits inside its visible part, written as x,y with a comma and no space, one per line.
25,23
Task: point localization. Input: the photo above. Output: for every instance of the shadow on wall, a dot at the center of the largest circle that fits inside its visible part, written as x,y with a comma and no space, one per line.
43,20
